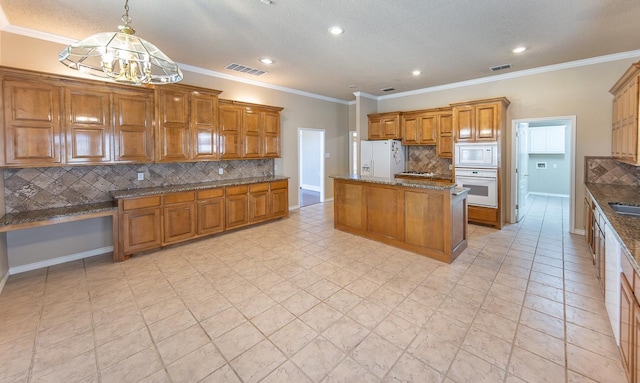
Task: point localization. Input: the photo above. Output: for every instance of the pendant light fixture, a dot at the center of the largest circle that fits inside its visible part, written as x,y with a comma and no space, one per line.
122,57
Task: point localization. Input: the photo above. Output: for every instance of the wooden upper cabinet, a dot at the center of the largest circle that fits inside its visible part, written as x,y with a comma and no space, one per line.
133,130
88,125
385,126
249,130
625,145
32,123
230,131
187,125
271,141
172,134
419,128
444,147
204,126
479,121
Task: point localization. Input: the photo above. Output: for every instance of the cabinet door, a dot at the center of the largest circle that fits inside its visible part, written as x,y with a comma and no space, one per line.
230,131
210,216
444,145
463,123
204,126
627,319
487,119
390,127
133,129
410,129
251,132
258,202
172,138
32,126
279,204
236,211
636,343
88,126
428,129
141,229
179,222
375,128
271,130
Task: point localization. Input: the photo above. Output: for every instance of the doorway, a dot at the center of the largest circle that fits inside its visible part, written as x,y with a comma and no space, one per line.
311,168
543,158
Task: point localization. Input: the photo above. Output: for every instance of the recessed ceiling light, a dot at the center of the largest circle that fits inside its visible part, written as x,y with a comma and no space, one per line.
336,30
266,60
268,2
519,49
416,73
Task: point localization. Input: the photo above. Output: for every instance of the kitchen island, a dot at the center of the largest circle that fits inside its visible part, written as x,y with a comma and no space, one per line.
425,217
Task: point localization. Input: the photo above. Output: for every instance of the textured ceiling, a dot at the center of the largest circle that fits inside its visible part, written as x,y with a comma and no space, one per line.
449,41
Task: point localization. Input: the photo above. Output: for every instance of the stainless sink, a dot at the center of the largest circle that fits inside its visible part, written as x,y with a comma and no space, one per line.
622,208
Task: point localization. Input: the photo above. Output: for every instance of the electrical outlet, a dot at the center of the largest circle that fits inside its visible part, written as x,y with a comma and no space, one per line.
140,176
220,171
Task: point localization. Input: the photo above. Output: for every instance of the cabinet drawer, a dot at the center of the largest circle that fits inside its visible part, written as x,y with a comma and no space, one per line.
141,203
279,184
259,187
211,193
237,190
179,197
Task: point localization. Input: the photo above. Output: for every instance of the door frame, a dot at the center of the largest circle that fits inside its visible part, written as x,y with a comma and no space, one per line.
572,159
301,161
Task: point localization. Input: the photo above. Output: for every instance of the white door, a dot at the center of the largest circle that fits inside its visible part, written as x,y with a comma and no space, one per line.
522,158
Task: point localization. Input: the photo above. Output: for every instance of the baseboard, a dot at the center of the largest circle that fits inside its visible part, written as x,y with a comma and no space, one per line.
294,207
59,260
548,194
310,187
328,200
3,282
580,232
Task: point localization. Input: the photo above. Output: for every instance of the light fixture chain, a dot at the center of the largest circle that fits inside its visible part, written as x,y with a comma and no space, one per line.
126,17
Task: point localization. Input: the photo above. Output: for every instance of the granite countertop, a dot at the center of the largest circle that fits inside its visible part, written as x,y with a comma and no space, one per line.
141,192
627,227
431,176
60,212
414,183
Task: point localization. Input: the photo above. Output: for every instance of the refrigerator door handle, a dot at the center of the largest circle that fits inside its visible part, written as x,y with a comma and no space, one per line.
373,168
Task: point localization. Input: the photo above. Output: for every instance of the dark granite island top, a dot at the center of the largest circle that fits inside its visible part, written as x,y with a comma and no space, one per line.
627,227
415,183
141,192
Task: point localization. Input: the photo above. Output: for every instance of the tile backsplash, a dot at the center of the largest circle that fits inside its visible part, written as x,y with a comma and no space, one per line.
43,188
606,170
424,159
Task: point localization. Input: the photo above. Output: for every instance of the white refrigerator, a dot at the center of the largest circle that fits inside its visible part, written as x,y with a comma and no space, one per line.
383,158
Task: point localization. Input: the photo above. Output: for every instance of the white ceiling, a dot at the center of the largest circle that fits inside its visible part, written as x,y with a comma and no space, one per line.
384,41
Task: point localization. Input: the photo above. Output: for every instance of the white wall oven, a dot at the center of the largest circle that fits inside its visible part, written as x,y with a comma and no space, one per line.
483,185
476,155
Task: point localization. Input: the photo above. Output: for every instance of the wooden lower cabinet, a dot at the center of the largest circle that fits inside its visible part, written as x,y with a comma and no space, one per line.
431,222
151,222
630,321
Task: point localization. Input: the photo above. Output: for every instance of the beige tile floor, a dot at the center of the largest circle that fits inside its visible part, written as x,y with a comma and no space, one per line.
297,301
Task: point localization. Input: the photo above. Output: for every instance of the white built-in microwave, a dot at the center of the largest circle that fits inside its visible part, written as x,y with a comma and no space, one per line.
476,155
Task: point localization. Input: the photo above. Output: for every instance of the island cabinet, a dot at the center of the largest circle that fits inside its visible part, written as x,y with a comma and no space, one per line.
187,123
54,120
626,103
249,130
150,222
385,126
478,121
431,222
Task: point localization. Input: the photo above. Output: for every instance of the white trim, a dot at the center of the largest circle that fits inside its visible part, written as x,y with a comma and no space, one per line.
579,232
3,282
521,73
314,188
294,207
549,194
38,34
366,95
59,260
328,200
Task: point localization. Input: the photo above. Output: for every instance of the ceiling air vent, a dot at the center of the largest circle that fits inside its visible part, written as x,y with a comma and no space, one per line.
387,89
245,69
500,67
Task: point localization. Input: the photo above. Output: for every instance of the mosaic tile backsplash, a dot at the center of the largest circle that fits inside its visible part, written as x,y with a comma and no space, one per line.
606,170
424,159
44,188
